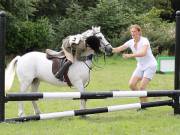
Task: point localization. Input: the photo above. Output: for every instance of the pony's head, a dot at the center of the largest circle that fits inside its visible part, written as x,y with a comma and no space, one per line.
105,46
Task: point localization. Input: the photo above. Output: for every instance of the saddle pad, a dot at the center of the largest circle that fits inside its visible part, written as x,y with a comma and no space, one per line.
57,63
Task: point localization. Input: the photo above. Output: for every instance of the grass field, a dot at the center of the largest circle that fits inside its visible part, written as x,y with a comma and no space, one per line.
113,75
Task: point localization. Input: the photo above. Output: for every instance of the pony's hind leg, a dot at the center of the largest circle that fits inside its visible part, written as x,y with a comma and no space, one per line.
23,87
34,88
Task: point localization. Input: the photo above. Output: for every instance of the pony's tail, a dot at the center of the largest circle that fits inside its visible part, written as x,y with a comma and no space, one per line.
10,73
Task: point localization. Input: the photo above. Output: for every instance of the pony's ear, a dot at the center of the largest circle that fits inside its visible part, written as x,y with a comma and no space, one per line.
99,28
94,29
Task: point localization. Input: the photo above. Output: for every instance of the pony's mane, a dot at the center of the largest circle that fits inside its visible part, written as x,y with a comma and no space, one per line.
87,33
94,43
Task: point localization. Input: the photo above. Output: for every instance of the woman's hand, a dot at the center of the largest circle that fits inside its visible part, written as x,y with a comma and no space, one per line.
126,56
114,50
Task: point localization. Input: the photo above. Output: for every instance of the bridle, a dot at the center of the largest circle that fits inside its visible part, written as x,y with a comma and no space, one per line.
100,38
89,57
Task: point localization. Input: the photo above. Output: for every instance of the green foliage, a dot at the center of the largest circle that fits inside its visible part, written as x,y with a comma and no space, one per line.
22,9
110,15
51,8
23,33
74,23
68,17
160,33
24,36
86,3
1,7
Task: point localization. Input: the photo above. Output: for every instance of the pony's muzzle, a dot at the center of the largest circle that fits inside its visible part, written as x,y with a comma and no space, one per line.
108,50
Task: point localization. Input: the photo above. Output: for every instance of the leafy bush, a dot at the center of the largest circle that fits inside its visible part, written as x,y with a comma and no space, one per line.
74,23
160,33
27,32
110,15
24,36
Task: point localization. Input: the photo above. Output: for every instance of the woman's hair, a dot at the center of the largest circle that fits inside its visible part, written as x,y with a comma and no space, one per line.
136,26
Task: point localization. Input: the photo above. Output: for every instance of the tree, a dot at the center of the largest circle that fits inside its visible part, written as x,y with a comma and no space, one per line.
87,3
52,8
23,32
20,9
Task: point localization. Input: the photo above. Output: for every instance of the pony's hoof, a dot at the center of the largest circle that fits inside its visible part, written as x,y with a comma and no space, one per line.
83,116
21,115
37,113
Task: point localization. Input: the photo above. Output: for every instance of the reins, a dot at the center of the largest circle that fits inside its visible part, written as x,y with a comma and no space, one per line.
90,68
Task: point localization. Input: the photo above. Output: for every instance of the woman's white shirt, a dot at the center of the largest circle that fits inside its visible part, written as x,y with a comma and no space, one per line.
148,60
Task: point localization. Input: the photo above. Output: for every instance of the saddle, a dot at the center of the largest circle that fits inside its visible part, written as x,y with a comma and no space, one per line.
58,60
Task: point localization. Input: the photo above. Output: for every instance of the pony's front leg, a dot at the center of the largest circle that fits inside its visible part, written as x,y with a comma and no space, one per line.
36,109
21,109
79,85
83,104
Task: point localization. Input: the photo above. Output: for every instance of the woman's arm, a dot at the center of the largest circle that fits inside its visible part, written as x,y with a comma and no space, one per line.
120,48
141,53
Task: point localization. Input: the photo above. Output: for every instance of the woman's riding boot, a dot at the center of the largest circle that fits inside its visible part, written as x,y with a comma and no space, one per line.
59,74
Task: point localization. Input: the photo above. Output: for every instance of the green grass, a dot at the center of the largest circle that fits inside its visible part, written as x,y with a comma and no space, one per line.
113,75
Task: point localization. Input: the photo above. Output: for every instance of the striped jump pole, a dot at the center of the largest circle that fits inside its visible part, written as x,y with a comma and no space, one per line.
92,111
89,95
